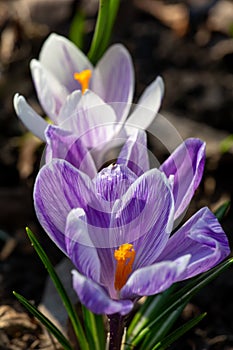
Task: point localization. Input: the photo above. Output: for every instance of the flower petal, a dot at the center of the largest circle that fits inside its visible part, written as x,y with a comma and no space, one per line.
202,237
88,247
148,105
112,182
93,120
62,58
134,153
29,117
64,145
96,299
186,164
144,217
50,92
69,106
79,246
154,279
60,187
113,80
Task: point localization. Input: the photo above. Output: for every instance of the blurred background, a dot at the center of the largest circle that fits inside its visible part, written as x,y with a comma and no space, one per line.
188,43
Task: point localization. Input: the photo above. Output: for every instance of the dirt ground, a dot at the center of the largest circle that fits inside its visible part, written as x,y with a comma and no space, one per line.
190,44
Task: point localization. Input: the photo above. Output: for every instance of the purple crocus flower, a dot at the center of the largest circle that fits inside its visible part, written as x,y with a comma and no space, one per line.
68,86
116,228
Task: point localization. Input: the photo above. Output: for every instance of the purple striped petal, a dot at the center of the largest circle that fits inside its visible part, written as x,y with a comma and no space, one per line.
96,299
50,92
154,279
64,145
186,163
60,187
29,117
113,80
62,58
112,182
144,217
202,237
148,105
79,246
134,153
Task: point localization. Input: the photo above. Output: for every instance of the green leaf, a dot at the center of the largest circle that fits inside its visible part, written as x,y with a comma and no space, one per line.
226,144
112,13
147,311
221,211
61,291
171,338
94,329
160,331
180,297
106,17
45,321
100,30
76,33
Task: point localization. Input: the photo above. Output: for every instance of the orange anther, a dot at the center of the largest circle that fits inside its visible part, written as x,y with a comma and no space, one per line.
83,78
124,256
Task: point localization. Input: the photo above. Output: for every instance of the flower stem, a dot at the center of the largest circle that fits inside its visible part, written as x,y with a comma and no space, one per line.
116,325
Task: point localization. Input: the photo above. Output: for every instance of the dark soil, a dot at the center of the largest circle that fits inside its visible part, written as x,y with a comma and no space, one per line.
198,74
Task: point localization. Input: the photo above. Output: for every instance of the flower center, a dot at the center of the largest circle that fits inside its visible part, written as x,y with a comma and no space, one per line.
124,256
83,78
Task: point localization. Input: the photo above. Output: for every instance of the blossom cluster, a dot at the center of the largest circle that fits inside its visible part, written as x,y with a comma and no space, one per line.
117,223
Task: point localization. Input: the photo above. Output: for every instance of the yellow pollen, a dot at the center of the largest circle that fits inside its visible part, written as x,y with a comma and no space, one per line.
124,256
83,78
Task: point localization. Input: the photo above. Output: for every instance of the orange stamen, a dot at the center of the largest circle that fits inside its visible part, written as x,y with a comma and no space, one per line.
124,256
83,78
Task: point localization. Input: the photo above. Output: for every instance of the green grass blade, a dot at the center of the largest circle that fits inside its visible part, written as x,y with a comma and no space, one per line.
147,311
100,31
45,321
221,211
226,144
160,331
212,274
112,13
61,291
179,332
182,296
76,32
94,329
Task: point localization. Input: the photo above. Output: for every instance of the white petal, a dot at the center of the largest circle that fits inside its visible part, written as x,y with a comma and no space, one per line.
113,80
62,58
69,106
29,117
148,105
51,93
93,120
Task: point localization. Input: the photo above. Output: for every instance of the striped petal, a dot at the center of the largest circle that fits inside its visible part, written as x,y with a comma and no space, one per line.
79,246
143,217
154,279
201,236
62,58
60,187
113,80
94,297
93,121
62,144
134,153
186,165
